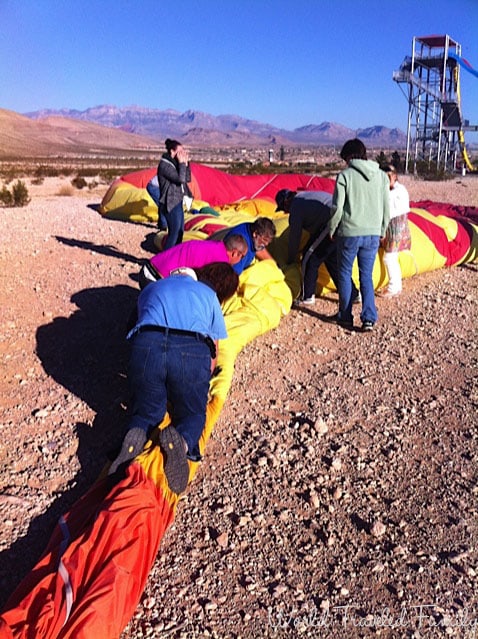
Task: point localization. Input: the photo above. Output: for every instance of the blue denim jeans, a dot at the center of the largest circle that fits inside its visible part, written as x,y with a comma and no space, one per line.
326,252
170,368
364,248
175,220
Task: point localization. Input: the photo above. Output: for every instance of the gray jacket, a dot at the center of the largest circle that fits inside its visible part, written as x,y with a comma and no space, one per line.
173,180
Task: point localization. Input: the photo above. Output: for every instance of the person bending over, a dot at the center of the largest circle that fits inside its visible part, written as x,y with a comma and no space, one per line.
194,254
258,235
310,211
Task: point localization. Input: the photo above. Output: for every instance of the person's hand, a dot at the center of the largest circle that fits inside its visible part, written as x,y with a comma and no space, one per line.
183,156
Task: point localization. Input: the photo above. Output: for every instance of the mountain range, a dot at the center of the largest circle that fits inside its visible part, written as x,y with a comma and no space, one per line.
198,128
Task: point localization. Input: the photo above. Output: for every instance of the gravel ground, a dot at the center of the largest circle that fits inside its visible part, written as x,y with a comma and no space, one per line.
338,496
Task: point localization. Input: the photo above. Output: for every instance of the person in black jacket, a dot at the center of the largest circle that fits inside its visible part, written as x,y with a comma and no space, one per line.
174,174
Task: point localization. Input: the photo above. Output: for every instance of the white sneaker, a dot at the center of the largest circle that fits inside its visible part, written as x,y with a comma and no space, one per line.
385,292
306,301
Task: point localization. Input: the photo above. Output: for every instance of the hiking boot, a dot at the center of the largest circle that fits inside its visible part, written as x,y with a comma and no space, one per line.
133,444
335,319
176,467
367,326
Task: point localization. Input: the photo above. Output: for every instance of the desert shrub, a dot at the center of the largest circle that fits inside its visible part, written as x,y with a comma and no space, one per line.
429,171
88,171
20,194
66,190
79,182
44,171
37,180
6,197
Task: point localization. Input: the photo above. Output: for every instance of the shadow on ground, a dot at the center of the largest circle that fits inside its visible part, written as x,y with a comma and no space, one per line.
87,354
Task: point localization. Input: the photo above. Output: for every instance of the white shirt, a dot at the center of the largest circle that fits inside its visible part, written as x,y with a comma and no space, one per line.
399,200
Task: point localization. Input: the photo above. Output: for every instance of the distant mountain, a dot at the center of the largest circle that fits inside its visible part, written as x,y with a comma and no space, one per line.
22,136
197,127
325,133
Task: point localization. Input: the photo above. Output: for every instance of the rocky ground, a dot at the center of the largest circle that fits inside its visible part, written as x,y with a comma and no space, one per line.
338,495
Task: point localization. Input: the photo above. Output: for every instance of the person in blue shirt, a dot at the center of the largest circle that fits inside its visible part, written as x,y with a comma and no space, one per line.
258,235
174,349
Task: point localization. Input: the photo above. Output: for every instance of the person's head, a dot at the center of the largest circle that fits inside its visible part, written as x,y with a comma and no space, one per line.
221,277
172,147
353,150
391,171
263,232
236,247
284,198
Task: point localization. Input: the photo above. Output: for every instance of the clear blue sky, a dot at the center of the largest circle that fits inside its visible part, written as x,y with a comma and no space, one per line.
284,62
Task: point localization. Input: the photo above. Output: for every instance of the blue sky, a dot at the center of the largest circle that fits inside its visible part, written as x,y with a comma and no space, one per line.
287,63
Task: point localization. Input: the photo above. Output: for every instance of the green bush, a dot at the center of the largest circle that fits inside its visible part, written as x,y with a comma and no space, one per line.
429,171
20,194
6,198
381,159
46,171
79,182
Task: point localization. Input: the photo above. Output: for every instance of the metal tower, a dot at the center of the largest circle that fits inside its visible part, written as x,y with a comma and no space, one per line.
435,124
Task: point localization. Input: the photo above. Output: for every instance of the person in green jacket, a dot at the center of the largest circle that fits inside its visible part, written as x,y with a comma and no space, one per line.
360,216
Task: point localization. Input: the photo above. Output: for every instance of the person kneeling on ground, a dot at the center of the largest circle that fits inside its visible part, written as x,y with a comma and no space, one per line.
194,254
174,350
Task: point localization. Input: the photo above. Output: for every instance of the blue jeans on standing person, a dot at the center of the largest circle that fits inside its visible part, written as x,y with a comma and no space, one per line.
175,220
172,368
364,248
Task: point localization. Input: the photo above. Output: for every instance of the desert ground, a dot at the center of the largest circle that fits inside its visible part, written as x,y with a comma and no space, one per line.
338,494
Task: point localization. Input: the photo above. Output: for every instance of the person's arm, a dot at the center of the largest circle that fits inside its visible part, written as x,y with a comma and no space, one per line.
214,359
184,170
386,208
402,200
338,202
295,234
264,255
167,170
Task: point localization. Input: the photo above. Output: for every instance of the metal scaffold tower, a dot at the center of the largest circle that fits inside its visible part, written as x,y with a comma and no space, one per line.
435,131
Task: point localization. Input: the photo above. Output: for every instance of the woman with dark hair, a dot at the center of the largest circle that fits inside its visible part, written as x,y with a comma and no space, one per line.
360,215
174,174
174,350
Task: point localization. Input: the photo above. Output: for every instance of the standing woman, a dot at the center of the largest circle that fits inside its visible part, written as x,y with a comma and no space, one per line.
174,174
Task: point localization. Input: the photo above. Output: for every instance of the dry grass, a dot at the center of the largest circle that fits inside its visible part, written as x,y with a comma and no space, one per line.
67,190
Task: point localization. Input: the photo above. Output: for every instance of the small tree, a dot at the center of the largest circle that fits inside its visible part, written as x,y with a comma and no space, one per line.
381,159
396,161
